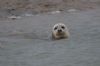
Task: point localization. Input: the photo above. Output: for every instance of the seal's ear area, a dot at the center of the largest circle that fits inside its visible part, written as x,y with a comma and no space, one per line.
55,28
63,27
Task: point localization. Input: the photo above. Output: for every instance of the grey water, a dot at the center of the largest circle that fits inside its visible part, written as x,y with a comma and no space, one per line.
27,41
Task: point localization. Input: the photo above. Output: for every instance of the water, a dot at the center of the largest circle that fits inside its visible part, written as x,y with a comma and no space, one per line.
27,42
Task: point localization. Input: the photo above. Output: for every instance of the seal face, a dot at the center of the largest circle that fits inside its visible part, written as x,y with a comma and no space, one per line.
60,31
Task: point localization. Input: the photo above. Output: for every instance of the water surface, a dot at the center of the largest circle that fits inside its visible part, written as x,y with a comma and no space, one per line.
26,41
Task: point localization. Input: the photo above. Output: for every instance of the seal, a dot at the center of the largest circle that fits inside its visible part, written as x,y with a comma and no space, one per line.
60,31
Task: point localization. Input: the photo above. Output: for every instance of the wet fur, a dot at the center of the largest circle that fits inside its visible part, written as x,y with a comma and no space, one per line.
57,36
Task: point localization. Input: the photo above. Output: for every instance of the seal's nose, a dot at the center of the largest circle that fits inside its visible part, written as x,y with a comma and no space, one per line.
60,30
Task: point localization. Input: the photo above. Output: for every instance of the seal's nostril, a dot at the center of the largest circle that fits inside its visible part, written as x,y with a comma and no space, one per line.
59,30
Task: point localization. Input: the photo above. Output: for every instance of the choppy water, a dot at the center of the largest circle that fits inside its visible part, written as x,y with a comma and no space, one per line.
26,42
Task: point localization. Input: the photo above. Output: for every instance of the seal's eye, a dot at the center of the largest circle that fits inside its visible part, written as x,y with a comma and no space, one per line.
55,28
62,27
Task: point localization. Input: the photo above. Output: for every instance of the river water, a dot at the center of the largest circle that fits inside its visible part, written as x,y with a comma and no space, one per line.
27,41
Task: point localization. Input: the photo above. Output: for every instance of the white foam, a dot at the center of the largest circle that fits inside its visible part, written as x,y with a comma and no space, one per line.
55,12
72,10
28,14
14,17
